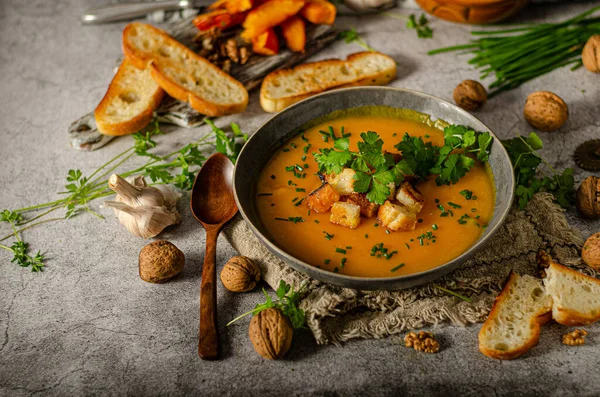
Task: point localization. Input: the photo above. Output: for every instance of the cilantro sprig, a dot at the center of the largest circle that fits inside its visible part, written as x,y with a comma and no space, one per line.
19,248
287,301
526,162
352,36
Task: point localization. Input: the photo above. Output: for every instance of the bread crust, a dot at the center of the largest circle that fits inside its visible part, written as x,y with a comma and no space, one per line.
138,122
272,105
142,59
536,324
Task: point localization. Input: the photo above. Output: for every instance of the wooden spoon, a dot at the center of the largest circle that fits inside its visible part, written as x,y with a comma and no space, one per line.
212,204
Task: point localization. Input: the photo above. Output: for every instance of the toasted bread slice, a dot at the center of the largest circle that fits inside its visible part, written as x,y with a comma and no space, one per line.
282,88
513,325
182,73
129,102
576,296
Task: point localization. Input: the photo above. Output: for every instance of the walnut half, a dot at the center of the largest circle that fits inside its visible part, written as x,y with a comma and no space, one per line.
423,341
575,338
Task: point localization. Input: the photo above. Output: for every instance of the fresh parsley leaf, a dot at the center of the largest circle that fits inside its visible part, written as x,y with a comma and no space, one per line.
352,36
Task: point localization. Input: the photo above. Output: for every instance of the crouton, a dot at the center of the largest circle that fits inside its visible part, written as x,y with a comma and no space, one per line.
343,182
367,208
410,197
396,217
392,187
322,198
345,214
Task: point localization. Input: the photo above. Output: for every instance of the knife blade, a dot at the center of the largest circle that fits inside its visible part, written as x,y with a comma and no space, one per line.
126,11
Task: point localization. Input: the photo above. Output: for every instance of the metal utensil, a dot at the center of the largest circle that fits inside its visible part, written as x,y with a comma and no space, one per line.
126,11
212,205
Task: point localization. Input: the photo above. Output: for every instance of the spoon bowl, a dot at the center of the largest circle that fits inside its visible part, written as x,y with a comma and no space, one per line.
213,201
212,204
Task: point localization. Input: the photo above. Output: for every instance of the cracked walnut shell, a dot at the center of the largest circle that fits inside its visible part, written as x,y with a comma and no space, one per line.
591,54
575,338
271,334
545,111
470,95
423,341
588,198
240,274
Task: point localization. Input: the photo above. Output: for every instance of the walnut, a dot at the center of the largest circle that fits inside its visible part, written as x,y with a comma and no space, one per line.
423,341
232,50
591,54
271,334
160,261
575,338
545,111
470,95
588,198
591,251
240,274
244,55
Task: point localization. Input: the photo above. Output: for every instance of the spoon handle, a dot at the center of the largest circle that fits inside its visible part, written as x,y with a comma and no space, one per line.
208,342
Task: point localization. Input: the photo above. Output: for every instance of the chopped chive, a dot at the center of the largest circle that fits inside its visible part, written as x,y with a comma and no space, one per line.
387,231
327,261
299,202
294,219
282,219
335,270
397,267
303,158
394,134
467,194
348,247
272,204
376,224
473,209
273,177
293,145
407,246
434,226
474,198
305,139
317,221
328,236
453,205
420,220
343,262
437,201
294,199
340,251
300,189
427,136
366,235
264,194
289,168
306,148
285,150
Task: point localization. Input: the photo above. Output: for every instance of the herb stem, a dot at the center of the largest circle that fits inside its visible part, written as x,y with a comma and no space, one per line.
453,293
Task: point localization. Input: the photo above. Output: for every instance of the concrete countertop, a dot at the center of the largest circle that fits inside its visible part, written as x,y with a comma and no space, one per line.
89,325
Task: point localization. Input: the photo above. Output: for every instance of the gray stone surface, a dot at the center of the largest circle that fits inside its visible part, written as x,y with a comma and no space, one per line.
89,325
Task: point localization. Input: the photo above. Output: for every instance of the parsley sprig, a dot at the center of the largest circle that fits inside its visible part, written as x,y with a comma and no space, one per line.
287,301
19,248
352,36
526,161
375,170
420,25
178,168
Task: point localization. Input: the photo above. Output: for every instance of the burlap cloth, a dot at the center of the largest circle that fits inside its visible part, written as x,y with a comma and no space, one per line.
336,314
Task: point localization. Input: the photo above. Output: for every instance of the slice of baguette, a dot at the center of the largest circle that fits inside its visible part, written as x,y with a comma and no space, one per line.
576,296
513,326
182,73
285,87
129,102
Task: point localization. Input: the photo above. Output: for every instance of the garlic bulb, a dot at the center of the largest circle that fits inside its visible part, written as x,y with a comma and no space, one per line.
145,211
369,5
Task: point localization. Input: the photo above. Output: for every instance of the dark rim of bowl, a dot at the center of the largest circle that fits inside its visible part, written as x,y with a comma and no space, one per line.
354,279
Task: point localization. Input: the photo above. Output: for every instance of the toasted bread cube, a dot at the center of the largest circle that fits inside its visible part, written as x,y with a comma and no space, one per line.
343,182
396,217
410,197
367,208
345,214
322,198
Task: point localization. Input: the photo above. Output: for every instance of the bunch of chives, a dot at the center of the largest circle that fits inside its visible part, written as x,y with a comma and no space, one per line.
521,54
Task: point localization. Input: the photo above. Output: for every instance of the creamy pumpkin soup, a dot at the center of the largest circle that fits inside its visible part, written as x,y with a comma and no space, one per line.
377,194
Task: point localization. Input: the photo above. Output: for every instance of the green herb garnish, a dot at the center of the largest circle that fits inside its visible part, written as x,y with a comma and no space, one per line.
328,236
340,251
467,194
287,302
396,267
352,36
